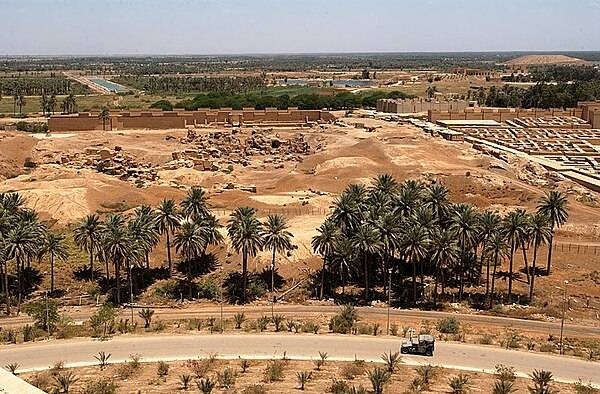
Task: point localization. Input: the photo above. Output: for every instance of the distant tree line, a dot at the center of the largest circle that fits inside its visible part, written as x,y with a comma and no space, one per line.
557,74
187,84
541,95
36,86
342,100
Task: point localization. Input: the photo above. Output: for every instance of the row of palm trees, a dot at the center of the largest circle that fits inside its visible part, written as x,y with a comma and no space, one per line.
379,230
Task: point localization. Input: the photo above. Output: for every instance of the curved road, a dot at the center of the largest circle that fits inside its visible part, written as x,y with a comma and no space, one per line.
81,352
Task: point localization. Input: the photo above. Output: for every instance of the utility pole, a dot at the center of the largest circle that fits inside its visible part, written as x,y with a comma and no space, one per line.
47,315
562,322
389,299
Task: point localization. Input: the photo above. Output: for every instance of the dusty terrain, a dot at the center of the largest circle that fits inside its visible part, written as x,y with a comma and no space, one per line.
66,184
545,60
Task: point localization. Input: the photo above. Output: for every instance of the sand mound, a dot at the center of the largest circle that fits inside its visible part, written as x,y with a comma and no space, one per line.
190,176
344,162
544,59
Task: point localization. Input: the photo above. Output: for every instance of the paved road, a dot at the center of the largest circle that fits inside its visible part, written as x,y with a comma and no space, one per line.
80,352
366,313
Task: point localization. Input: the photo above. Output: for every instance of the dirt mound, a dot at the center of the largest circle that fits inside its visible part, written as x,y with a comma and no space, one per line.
544,59
14,149
344,162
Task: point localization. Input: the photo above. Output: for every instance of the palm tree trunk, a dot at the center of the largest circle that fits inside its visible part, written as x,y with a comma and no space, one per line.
169,253
6,288
244,274
107,271
385,269
461,275
189,259
322,278
147,260
118,280
481,265
510,271
366,267
533,268
414,279
525,261
19,290
487,278
273,273
550,251
92,261
435,286
51,272
493,280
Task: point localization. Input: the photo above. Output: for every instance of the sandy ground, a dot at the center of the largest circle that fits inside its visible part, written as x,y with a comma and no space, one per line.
304,190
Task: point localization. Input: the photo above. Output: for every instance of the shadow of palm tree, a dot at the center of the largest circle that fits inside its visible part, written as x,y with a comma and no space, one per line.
234,285
265,276
200,266
84,273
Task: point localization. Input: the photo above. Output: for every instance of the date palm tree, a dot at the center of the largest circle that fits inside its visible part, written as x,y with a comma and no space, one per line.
414,245
143,229
444,252
20,101
277,238
87,236
189,242
386,183
554,206
117,246
436,198
167,220
211,228
390,231
244,230
54,245
489,222
195,204
324,243
464,223
540,233
367,242
497,249
515,229
104,116
21,244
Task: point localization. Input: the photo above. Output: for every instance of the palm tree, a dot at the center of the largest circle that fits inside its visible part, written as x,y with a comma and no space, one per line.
104,116
444,251
342,257
540,233
464,223
54,245
390,230
436,198
20,101
195,204
347,214
413,244
144,230
211,229
498,248
20,244
189,242
489,223
515,229
87,236
277,238
117,246
323,243
386,183
367,241
167,220
244,230
554,206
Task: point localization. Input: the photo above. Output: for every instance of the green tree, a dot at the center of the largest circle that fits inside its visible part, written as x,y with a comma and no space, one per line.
195,204
444,252
104,117
554,206
367,242
44,313
54,245
167,220
189,242
244,230
515,229
540,233
464,223
323,243
414,245
117,247
87,235
21,244
277,238
497,249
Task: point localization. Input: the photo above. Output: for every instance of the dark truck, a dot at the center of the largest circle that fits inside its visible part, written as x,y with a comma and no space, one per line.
423,344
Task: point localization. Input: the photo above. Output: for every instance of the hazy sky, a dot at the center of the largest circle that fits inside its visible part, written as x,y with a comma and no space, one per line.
292,26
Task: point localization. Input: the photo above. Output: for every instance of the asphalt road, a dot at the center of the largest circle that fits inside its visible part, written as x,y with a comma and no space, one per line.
366,313
79,352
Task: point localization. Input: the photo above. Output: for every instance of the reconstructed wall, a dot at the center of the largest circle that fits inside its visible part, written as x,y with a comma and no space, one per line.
499,114
181,119
419,105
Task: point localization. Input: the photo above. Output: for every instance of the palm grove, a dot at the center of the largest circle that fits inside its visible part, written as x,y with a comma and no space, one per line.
405,234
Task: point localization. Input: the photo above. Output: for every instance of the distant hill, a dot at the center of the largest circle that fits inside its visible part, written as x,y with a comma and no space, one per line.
532,60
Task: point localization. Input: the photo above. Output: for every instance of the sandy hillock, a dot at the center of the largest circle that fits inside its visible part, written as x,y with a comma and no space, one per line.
531,60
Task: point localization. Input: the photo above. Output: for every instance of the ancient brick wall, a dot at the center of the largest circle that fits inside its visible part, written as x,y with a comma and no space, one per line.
500,114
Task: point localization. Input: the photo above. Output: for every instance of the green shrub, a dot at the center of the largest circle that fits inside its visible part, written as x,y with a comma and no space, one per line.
239,319
44,313
486,339
448,325
310,327
185,381
165,105
207,289
226,378
162,369
274,371
303,377
206,386
378,377
344,321
28,333
100,386
339,387
32,127
255,389
262,323
581,388
278,322
391,360
124,370
459,384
